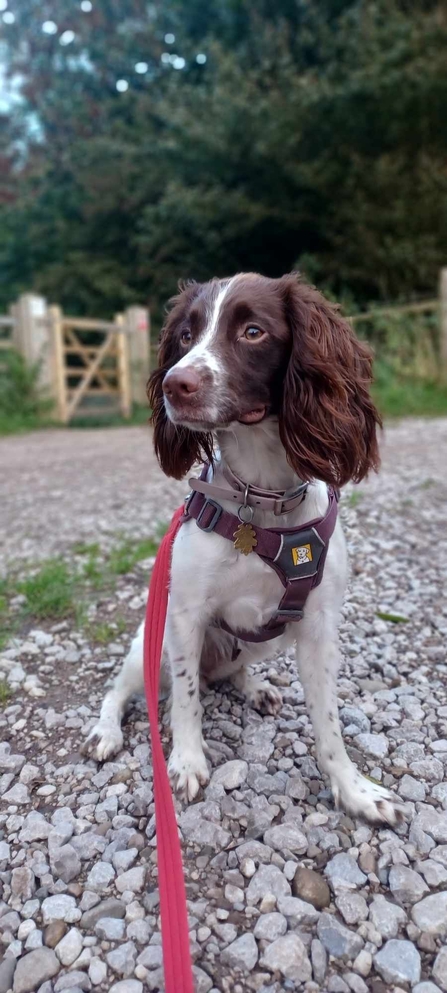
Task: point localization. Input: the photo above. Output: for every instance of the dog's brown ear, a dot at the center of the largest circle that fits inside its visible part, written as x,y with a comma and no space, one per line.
328,422
177,448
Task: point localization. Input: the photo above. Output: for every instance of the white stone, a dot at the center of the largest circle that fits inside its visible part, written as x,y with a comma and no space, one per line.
69,947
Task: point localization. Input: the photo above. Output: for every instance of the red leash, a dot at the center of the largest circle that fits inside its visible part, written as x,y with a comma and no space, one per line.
174,917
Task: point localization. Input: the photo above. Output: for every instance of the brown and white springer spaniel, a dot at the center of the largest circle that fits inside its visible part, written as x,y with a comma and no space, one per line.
263,376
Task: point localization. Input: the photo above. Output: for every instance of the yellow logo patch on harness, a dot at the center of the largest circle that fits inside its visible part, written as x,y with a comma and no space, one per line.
302,554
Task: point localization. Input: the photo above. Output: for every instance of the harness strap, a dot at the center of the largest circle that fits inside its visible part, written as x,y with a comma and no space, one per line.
296,554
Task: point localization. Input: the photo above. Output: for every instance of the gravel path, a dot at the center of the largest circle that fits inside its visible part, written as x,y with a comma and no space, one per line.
284,893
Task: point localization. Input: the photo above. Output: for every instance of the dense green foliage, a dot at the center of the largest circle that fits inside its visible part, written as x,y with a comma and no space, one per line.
315,135
21,403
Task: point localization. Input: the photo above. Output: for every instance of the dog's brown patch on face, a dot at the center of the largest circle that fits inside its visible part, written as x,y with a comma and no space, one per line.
306,367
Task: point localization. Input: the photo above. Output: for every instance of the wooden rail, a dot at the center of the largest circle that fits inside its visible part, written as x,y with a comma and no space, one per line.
407,308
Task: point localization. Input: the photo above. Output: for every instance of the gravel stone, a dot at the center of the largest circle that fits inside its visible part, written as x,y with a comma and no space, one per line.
127,986
231,775
344,874
387,917
35,968
54,933
337,939
431,914
426,988
411,789
406,885
100,877
288,956
270,926
73,980
242,954
97,971
352,906
399,962
297,911
318,957
110,929
267,879
122,959
70,947
311,886
7,969
59,908
134,880
374,745
107,908
65,863
286,837
440,968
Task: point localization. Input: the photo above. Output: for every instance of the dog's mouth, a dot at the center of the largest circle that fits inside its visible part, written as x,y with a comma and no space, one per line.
253,416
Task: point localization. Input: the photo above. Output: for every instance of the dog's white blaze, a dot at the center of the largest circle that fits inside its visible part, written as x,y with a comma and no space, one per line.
202,353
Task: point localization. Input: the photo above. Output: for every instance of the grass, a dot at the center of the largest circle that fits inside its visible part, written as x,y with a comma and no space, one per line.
50,591
103,632
402,396
5,693
125,557
354,498
58,588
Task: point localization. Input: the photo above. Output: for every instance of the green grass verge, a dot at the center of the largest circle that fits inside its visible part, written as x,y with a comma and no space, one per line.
23,423
50,591
5,693
402,397
59,588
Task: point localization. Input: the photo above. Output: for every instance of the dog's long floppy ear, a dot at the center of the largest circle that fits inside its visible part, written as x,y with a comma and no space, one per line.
328,421
177,448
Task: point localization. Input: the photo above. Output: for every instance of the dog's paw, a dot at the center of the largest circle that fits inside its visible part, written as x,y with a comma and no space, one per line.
188,771
104,741
264,697
363,798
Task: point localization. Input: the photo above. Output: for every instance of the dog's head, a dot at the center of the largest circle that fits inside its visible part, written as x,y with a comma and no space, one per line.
246,348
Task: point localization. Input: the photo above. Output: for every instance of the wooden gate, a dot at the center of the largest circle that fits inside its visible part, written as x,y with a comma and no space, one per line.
92,373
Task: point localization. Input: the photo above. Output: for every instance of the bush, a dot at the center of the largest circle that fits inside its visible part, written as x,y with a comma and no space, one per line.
22,405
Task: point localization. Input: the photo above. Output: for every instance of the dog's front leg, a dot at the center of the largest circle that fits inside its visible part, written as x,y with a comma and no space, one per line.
185,631
318,660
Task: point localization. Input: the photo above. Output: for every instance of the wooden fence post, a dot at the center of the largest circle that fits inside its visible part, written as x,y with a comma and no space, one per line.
58,369
443,314
138,333
32,337
122,344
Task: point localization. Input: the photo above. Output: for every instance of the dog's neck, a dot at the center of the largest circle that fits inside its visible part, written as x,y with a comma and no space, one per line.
256,454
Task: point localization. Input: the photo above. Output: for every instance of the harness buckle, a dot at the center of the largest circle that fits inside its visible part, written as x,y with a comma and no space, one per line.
217,513
288,614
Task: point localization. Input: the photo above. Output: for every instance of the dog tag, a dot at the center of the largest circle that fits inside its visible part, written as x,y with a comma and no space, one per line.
245,539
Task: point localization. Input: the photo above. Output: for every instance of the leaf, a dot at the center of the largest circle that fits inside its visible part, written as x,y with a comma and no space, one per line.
245,539
394,618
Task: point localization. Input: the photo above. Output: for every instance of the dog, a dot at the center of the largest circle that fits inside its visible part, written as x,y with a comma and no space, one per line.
266,382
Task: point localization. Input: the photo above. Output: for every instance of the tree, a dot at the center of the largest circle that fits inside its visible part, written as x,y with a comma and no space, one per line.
314,134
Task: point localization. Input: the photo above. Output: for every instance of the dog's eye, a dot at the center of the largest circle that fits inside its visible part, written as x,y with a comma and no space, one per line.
253,334
185,337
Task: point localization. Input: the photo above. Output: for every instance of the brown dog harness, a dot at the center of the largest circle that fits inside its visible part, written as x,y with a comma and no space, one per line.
296,554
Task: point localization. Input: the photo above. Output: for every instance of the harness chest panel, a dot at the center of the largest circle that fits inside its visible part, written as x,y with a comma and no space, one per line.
300,554
297,555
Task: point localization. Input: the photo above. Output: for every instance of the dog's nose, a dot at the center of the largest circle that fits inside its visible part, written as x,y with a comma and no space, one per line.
179,384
